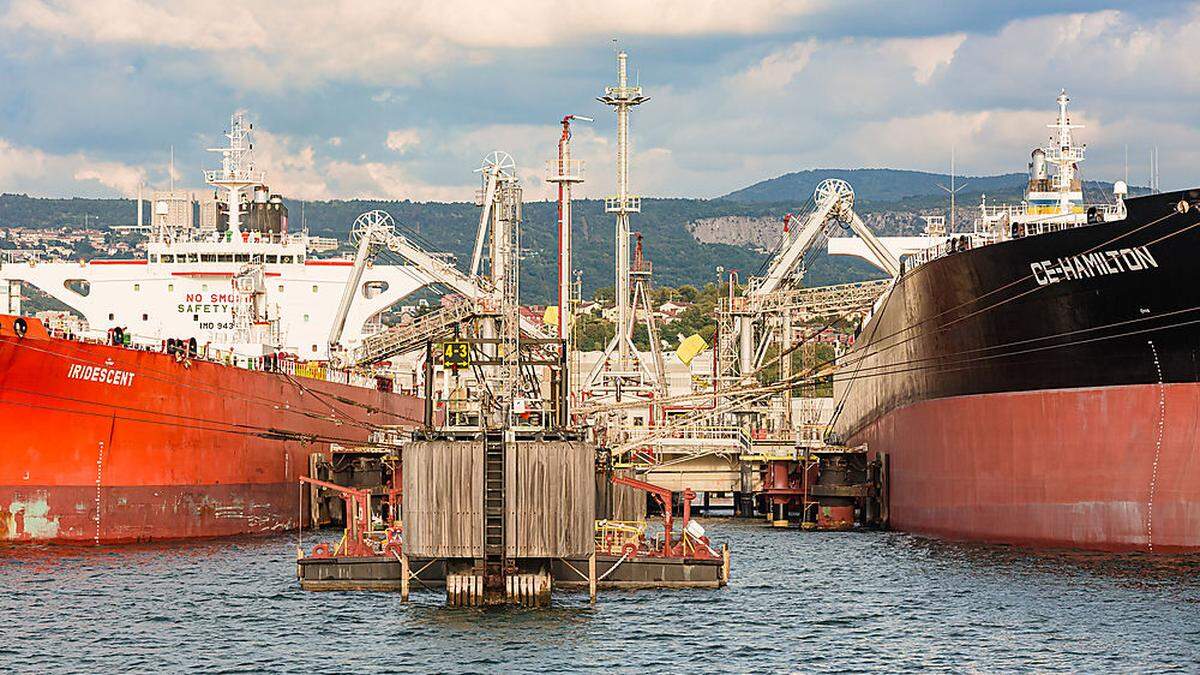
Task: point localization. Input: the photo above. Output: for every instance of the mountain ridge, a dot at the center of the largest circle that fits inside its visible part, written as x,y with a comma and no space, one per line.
871,185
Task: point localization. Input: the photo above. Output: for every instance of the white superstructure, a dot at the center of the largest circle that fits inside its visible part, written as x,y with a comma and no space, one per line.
1054,200
185,288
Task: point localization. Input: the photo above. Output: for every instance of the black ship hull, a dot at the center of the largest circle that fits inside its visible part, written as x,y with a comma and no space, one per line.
1043,389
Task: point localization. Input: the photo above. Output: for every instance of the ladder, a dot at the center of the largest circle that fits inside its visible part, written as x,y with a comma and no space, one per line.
493,504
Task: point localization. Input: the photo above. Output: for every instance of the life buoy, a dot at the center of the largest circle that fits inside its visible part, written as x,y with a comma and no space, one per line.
20,327
629,550
322,551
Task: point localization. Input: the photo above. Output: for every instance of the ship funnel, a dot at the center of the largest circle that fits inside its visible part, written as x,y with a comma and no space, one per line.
1037,165
1120,189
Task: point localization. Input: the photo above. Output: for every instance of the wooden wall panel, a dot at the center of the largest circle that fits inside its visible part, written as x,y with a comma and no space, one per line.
627,503
550,499
443,499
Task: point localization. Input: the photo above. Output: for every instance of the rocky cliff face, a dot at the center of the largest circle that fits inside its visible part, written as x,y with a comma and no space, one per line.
757,233
763,233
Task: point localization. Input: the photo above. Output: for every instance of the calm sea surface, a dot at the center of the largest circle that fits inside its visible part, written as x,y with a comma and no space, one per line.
797,602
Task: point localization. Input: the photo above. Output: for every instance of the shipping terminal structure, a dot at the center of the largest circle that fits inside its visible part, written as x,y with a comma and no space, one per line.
1032,379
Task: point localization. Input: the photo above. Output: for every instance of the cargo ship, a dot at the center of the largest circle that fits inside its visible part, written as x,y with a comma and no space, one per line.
1037,380
195,384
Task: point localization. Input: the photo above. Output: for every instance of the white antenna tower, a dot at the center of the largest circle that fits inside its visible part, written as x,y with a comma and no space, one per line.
237,170
1065,155
622,368
953,189
622,97
1154,186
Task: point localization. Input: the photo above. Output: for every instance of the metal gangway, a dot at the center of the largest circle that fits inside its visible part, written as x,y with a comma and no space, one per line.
412,336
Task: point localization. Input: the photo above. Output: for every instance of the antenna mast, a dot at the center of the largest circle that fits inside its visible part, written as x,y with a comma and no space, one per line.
622,97
622,370
237,170
953,189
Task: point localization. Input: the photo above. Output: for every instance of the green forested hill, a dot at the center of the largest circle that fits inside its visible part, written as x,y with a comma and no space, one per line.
677,257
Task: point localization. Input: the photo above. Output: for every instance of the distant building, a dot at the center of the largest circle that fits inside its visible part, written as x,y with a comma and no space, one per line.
171,210
62,322
590,307
16,255
208,212
672,309
130,229
322,244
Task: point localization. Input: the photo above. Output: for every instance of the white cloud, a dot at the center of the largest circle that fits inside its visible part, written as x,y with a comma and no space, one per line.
745,114
402,140
925,55
984,141
286,44
296,169
25,169
779,68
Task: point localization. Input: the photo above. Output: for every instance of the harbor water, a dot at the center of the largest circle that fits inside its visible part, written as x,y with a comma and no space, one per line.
810,602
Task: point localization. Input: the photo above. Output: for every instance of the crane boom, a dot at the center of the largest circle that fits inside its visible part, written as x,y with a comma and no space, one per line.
365,245
882,253
785,262
489,195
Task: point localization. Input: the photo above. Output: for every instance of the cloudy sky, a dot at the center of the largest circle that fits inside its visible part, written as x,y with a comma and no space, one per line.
401,99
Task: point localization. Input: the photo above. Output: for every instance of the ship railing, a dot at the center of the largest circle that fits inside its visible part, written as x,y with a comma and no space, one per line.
317,370
196,235
702,436
1007,222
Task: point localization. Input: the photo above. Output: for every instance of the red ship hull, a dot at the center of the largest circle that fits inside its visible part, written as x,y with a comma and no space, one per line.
105,444
1101,468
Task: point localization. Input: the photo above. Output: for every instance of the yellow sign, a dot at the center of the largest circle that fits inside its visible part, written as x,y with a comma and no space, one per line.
456,355
690,348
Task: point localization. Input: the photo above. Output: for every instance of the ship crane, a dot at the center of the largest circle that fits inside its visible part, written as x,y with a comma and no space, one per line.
833,203
834,199
483,294
374,231
749,324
